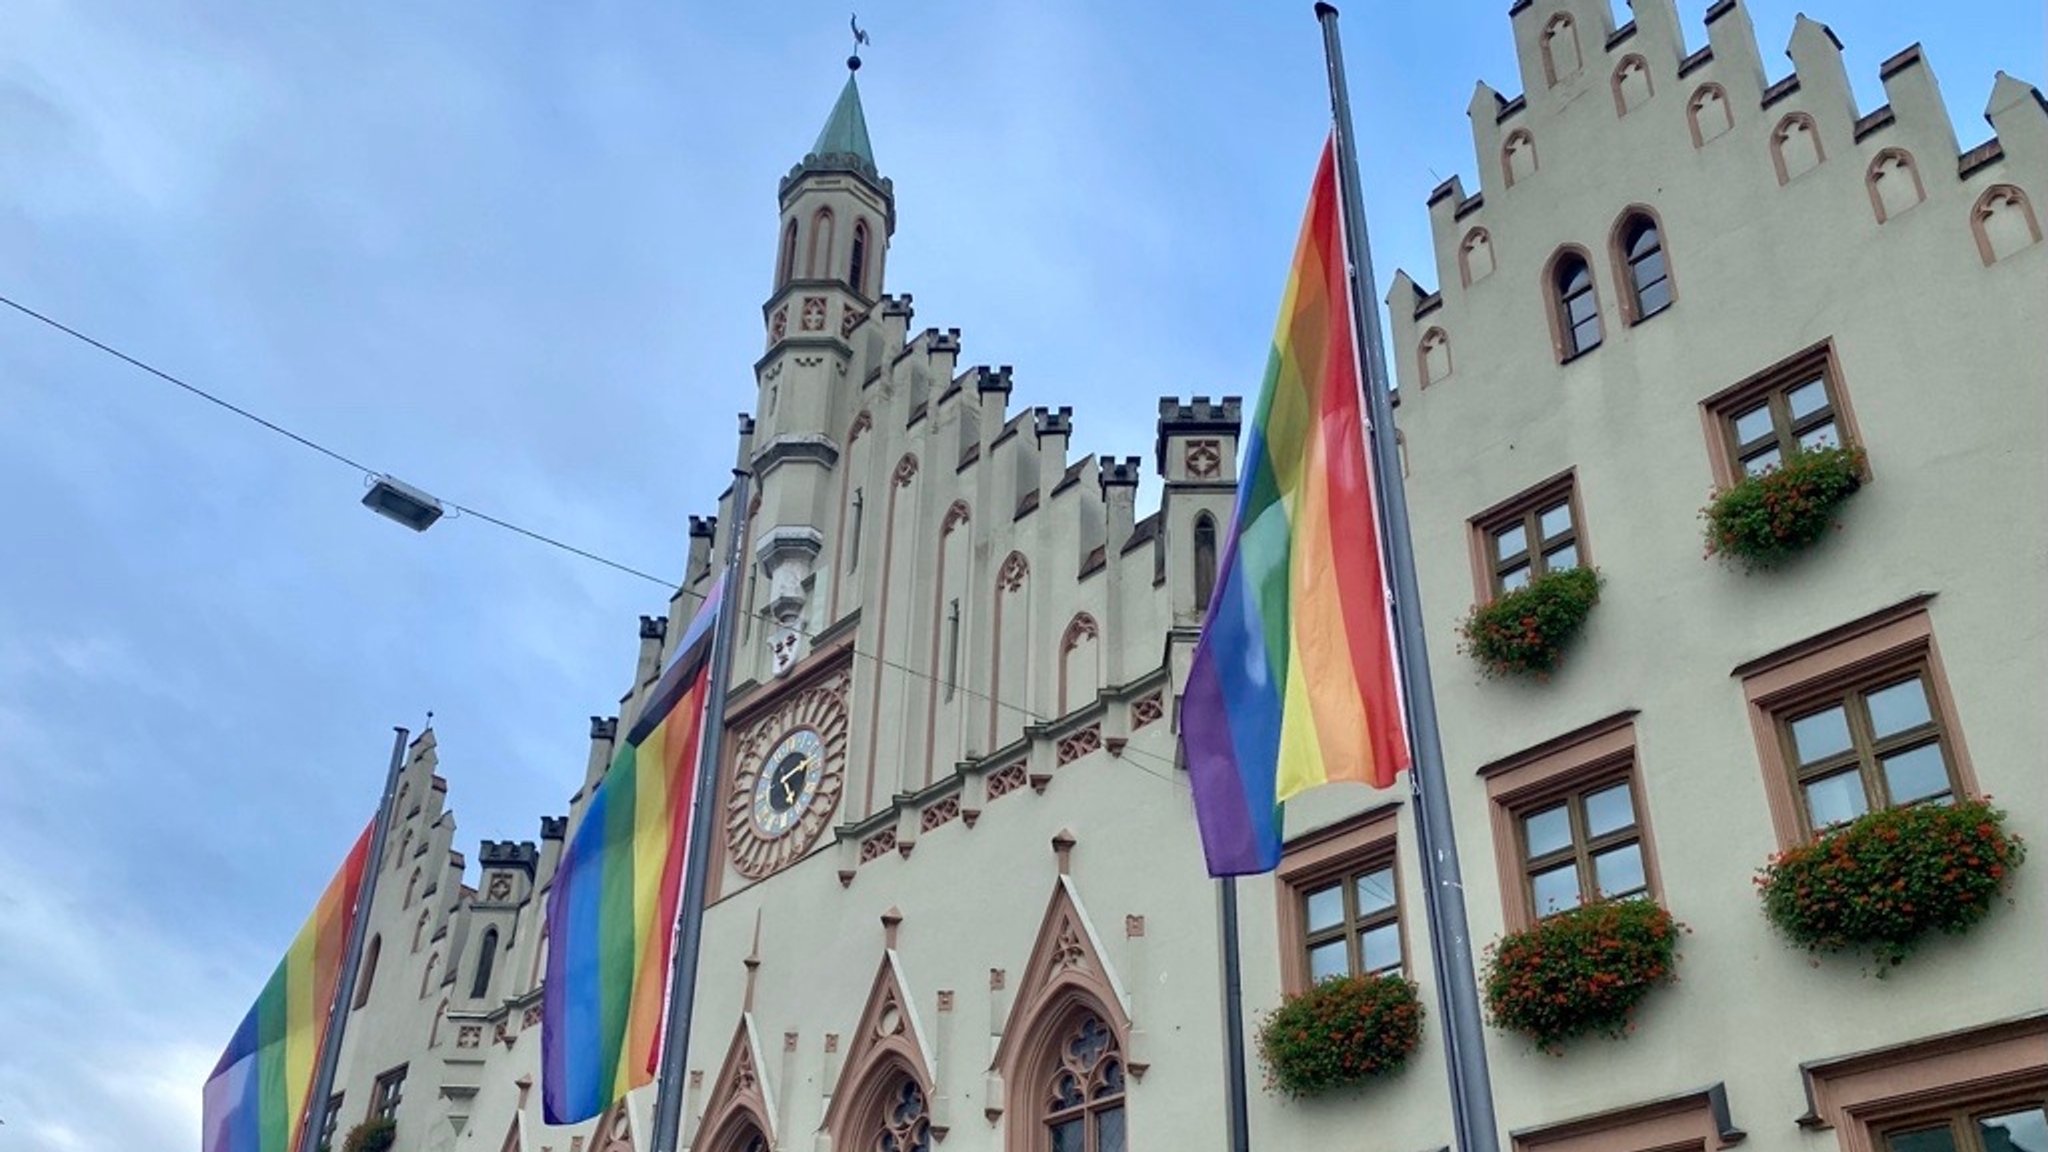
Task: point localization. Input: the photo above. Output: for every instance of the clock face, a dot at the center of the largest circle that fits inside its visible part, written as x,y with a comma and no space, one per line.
789,779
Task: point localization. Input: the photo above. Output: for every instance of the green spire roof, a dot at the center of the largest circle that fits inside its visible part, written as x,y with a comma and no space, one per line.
846,130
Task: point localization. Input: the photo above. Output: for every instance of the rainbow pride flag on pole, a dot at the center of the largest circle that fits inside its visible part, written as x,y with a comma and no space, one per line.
611,912
255,1101
1294,681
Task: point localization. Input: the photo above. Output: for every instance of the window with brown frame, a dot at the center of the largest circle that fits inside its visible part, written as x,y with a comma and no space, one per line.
2017,1126
1534,533
1578,307
388,1093
1353,922
1583,846
1649,275
1791,407
1878,742
331,1121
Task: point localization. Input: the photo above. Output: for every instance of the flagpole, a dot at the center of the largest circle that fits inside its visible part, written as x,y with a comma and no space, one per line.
1235,1102
689,931
315,1119
1450,936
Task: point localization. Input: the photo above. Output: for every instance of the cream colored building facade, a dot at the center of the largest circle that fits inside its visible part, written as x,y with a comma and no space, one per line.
985,919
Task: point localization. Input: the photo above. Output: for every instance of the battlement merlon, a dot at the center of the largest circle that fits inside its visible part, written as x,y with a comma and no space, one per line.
517,855
1199,418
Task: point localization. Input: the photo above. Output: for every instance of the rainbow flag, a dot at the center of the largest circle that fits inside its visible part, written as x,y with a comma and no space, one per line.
611,911
255,1101
1293,682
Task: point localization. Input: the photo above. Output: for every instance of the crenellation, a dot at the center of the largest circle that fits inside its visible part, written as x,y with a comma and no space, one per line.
1659,37
1484,111
2019,116
1736,55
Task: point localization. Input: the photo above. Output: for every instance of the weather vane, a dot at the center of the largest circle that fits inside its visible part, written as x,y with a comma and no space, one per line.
859,38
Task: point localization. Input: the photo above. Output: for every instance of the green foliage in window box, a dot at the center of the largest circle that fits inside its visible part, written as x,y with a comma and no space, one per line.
1887,879
1527,630
1580,971
1345,1030
1767,517
379,1135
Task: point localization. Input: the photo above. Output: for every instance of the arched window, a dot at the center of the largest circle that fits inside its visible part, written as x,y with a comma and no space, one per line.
367,974
1894,183
1434,356
1631,84
419,930
1644,270
486,959
2003,222
404,850
427,977
785,267
1795,147
857,268
440,1018
818,262
1560,49
1709,114
905,1124
1475,257
1575,307
1205,560
1084,1096
1518,156
412,887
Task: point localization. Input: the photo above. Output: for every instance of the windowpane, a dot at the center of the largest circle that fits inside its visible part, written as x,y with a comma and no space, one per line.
1326,908
1916,775
1561,559
1555,890
1609,810
1825,436
1654,297
1648,269
1381,948
1754,424
1586,335
1068,1136
1643,241
1555,521
1514,578
1761,462
1619,871
1821,735
1835,799
1109,1130
2022,1131
1547,831
1327,960
1510,542
1922,1140
1899,707
1375,892
1580,309
1808,398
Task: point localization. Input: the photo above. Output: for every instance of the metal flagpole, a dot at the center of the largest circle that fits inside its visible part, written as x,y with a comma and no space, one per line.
1451,938
682,986
1235,1104
315,1120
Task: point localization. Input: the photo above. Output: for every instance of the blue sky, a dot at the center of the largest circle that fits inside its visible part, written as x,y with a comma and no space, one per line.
515,254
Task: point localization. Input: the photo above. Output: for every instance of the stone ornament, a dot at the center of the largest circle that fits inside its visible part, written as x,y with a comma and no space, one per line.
817,709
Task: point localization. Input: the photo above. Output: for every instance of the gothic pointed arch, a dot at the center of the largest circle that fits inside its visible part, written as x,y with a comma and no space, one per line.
1068,1033
614,1131
883,1098
738,1111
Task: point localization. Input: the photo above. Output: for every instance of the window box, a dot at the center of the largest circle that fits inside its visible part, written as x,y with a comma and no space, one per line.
1888,879
1771,514
1344,1031
1526,631
1580,971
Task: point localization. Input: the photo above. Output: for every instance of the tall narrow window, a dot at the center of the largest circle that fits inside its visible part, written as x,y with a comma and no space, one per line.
857,268
786,267
853,534
1649,276
1084,1107
819,261
367,975
1578,309
1205,560
486,959
952,647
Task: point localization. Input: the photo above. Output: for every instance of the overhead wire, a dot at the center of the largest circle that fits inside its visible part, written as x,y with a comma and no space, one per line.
511,526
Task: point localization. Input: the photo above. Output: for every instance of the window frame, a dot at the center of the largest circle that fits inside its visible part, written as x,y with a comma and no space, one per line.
1574,764
1868,1095
1772,385
1959,1117
1581,847
1875,650
1335,854
1557,304
1867,751
387,1094
1630,293
1526,507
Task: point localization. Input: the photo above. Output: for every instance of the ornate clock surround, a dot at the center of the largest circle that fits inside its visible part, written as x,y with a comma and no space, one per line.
818,704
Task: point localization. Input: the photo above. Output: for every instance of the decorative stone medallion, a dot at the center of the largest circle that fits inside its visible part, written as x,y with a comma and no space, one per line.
789,769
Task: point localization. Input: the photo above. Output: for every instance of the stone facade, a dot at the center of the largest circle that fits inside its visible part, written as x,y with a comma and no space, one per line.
991,889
